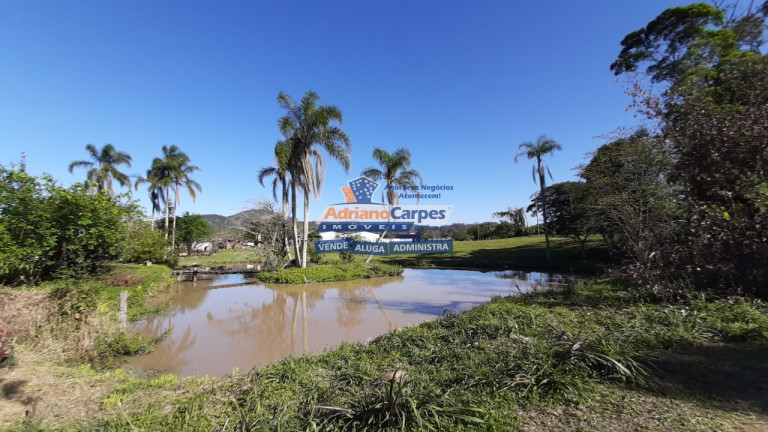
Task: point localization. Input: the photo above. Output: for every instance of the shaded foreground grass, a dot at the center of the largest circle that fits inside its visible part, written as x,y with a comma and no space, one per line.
329,273
585,357
60,329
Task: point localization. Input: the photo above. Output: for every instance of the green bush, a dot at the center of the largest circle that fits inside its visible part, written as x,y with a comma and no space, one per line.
143,243
48,231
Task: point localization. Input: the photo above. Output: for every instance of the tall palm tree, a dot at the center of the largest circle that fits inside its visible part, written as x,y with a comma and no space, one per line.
103,166
541,148
282,179
179,169
395,171
156,182
308,128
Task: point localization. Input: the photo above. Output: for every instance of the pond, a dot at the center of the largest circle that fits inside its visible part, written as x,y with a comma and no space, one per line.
230,322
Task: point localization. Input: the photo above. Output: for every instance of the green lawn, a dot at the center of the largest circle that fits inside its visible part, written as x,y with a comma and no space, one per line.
519,253
226,256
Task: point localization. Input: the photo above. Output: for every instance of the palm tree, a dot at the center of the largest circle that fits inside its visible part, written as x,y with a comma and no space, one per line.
308,128
156,182
282,179
542,147
178,167
395,171
104,166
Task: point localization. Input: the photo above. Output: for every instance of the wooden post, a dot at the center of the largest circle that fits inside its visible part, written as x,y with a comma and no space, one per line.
122,315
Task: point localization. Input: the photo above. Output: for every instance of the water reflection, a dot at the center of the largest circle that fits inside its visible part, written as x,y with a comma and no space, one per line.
232,322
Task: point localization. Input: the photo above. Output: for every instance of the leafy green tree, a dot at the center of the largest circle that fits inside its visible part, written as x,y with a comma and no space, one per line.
104,166
47,230
628,196
515,217
192,228
712,61
568,204
542,147
309,128
143,243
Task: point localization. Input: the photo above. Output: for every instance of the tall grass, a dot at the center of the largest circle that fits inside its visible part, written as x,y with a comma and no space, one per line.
467,371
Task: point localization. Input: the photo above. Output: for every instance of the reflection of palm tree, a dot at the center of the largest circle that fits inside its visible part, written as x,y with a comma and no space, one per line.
542,147
305,337
349,309
383,311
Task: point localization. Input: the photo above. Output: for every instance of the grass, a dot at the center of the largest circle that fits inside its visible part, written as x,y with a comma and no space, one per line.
329,273
518,253
586,357
226,256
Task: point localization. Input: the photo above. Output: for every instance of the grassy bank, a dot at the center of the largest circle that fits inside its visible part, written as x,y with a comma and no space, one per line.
63,328
226,256
587,357
519,253
329,273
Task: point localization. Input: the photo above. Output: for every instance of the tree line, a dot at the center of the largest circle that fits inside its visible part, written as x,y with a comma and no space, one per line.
683,202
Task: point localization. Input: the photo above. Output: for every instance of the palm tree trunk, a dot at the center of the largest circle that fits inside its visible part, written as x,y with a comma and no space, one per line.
542,179
293,224
305,234
167,210
390,198
286,242
175,207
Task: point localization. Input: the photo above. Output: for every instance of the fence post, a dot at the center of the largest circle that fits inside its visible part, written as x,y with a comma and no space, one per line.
122,315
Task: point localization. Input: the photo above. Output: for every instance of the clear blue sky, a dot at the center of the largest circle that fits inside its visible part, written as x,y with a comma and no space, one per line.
459,83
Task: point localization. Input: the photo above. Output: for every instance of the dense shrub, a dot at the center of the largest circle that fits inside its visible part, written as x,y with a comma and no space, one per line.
47,230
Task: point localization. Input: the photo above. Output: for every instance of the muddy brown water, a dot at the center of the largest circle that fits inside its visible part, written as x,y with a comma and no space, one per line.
232,323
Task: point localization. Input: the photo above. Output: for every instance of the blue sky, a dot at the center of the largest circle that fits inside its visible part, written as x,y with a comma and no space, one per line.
461,84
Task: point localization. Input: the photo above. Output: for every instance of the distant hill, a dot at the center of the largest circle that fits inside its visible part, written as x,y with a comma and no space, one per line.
220,223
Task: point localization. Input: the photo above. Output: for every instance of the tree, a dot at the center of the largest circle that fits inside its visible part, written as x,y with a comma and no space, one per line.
281,180
628,195
515,216
541,148
569,212
712,116
104,166
394,172
156,182
308,128
47,230
174,170
192,228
